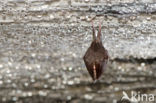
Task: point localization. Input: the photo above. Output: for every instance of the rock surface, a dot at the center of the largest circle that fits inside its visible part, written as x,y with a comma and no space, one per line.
42,43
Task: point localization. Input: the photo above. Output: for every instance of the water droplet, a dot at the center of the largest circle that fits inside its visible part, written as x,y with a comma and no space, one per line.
87,96
26,84
8,71
74,55
38,66
17,67
14,85
42,44
45,86
42,93
1,65
70,82
86,0
119,67
47,76
142,64
33,54
139,68
24,94
14,98
8,81
9,63
148,18
70,68
62,59
19,91
116,89
29,42
69,97
52,16
32,80
29,94
39,16
28,67
10,75
1,82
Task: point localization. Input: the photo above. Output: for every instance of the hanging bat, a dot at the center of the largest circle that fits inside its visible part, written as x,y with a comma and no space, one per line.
96,57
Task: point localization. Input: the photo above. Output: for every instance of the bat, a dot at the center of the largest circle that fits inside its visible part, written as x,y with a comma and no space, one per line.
96,57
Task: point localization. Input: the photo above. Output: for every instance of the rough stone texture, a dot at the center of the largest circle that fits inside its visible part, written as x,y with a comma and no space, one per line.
42,43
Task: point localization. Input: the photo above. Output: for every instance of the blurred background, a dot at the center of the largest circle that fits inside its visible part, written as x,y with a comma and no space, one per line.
42,43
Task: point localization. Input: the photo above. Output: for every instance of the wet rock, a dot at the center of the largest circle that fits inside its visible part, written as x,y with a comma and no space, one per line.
42,44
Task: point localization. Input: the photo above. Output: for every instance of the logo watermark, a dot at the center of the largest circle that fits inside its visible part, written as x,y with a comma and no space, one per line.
136,97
